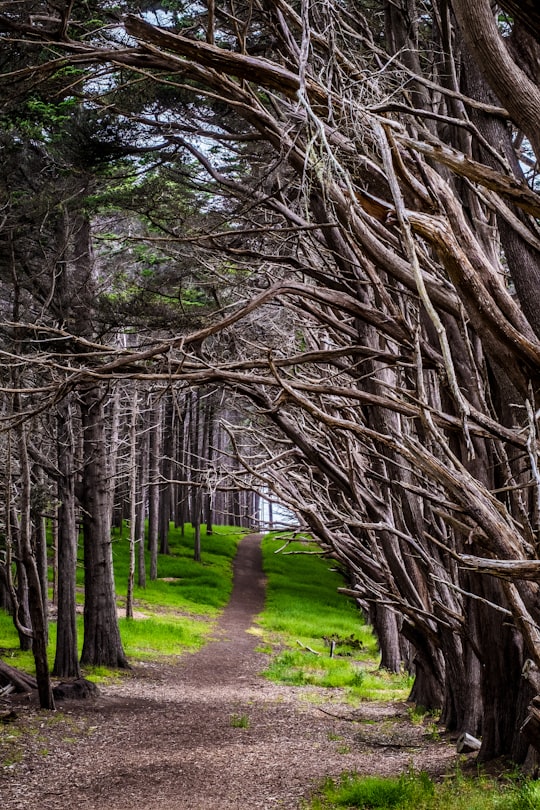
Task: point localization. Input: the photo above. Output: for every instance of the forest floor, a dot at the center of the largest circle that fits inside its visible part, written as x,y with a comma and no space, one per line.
208,732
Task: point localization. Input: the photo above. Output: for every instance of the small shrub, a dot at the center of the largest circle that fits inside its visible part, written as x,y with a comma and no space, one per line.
240,721
357,678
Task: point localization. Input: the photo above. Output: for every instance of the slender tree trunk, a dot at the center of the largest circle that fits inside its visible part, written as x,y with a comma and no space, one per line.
165,490
39,544
133,506
153,490
22,602
208,455
195,452
142,491
6,602
182,456
37,614
54,533
66,662
113,444
236,508
270,513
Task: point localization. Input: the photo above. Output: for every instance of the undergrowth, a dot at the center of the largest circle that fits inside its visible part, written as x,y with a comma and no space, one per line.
319,637
417,791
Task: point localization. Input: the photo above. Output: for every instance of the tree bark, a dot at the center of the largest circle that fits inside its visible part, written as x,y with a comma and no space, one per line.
133,506
165,489
153,489
102,643
66,662
142,495
510,83
35,596
386,629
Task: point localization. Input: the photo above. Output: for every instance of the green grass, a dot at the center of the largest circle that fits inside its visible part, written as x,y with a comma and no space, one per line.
148,639
9,645
302,598
304,610
416,791
198,588
175,613
239,721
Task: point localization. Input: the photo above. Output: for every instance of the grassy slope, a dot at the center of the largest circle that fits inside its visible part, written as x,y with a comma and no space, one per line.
304,610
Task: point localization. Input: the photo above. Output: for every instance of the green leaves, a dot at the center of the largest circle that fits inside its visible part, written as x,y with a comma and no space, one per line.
40,120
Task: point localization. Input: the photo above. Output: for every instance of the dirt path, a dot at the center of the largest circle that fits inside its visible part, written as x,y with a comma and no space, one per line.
209,733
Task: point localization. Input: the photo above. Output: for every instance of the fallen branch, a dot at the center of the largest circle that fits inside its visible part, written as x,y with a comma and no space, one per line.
20,681
305,647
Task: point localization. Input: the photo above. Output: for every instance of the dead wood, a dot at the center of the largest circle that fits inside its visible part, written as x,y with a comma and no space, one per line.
19,680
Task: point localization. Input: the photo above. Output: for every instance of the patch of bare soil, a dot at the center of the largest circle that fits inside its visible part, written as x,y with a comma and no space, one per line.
207,733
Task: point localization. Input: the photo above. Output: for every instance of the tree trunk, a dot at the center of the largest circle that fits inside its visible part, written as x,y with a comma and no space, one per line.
386,629
165,494
153,490
142,492
23,608
39,544
6,602
20,680
208,455
102,643
112,420
66,662
35,596
501,682
428,688
133,506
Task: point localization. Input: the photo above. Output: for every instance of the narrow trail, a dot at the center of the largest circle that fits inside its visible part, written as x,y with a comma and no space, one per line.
208,733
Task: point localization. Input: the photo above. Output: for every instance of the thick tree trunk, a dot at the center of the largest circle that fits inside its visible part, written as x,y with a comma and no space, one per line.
386,629
102,643
429,672
522,257
504,693
509,81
